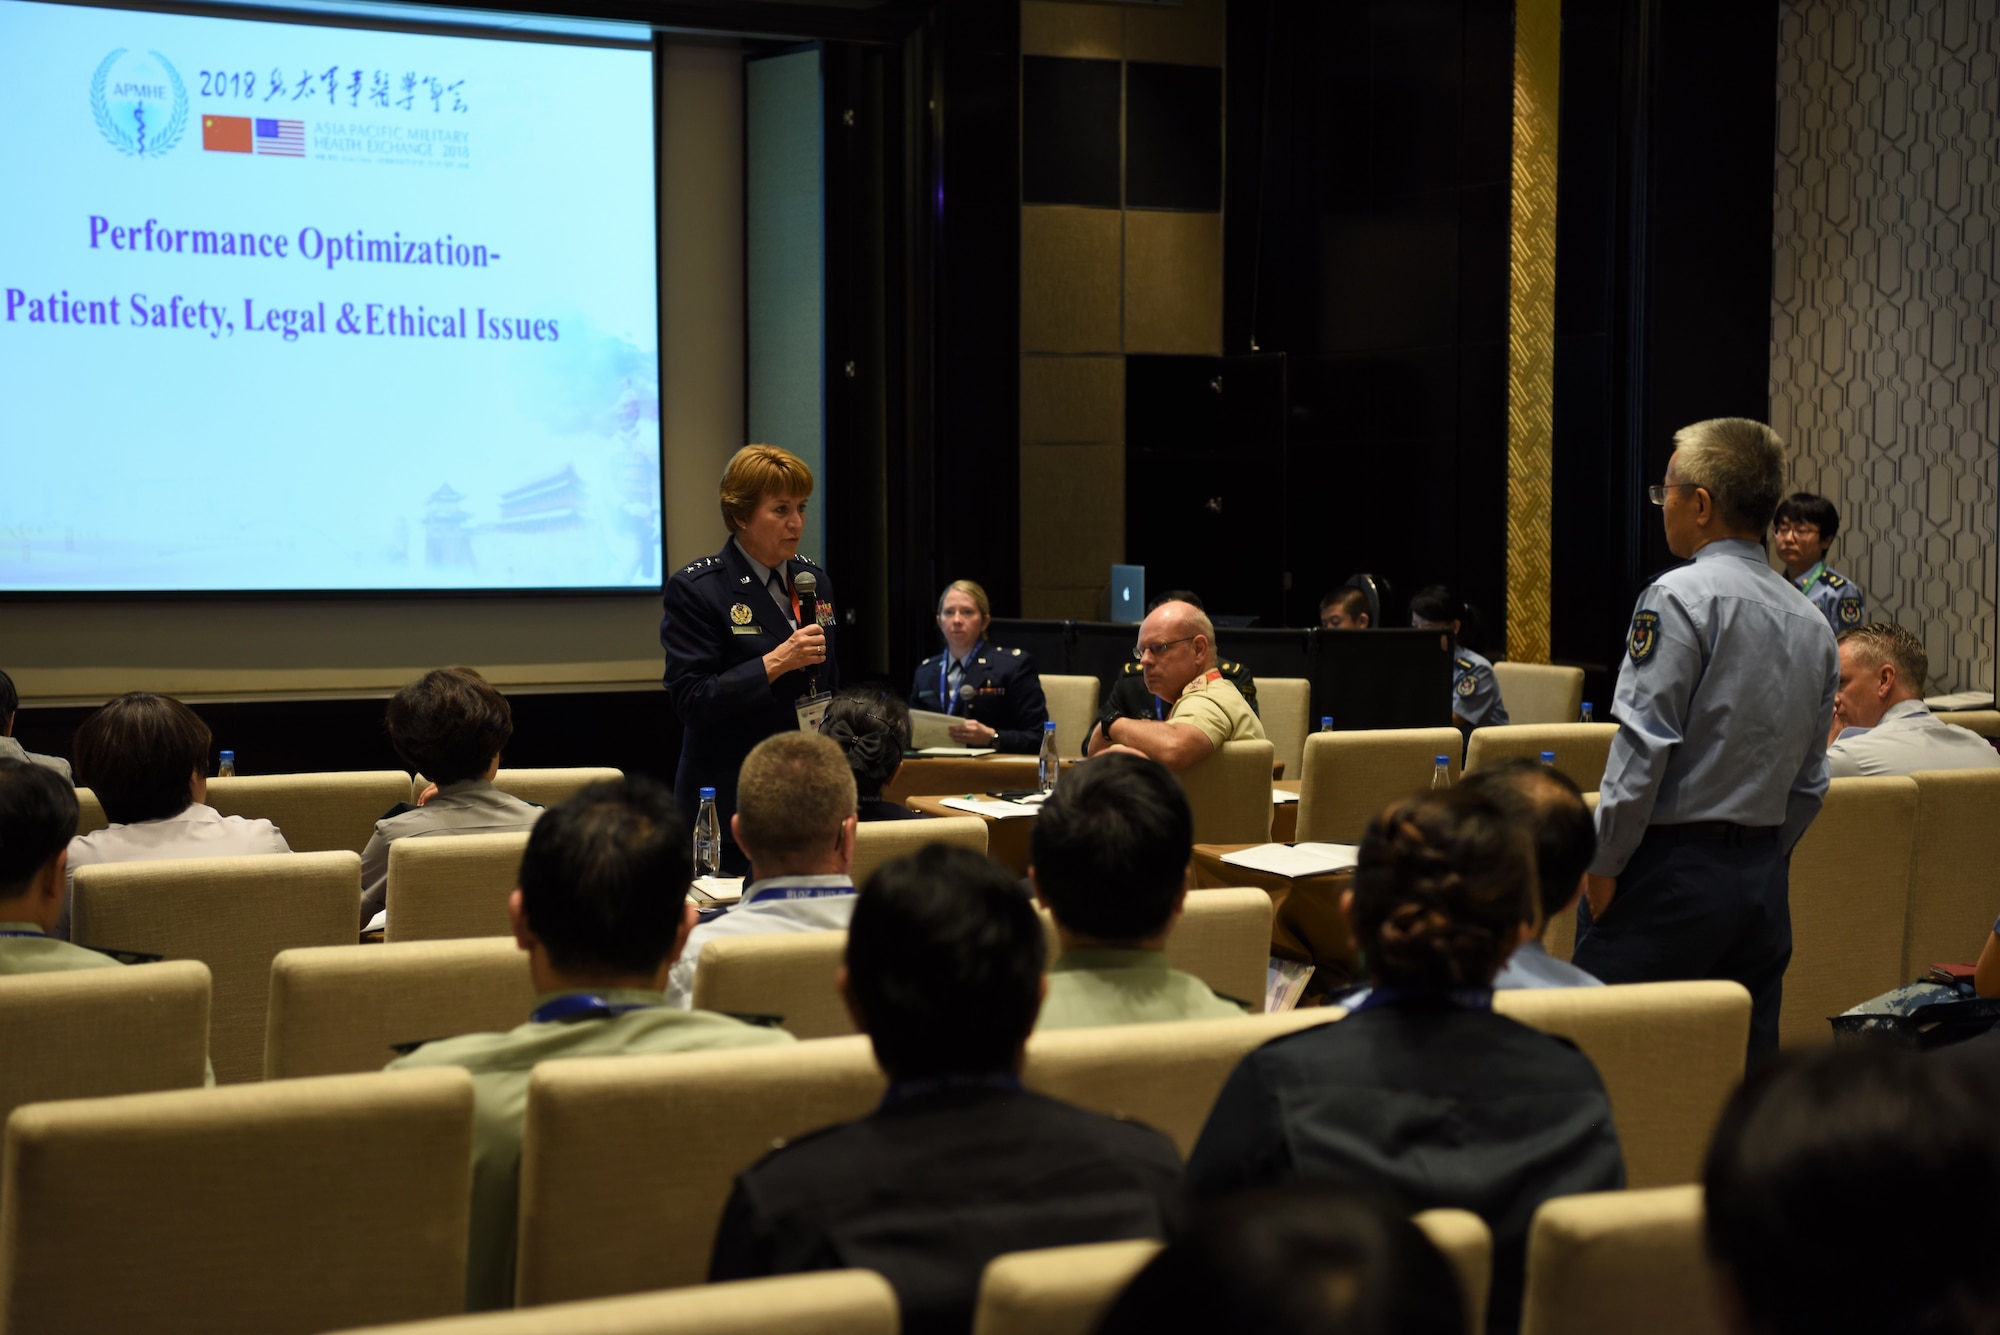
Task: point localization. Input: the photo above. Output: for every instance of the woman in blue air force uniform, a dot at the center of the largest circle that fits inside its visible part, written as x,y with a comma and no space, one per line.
737,659
995,691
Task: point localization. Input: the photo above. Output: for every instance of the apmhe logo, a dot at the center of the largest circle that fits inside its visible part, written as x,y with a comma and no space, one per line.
140,103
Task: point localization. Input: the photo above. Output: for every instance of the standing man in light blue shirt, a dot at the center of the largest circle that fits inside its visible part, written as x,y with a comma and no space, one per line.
1724,701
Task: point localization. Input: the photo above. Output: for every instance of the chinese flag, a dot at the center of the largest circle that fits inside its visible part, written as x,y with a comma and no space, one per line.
225,134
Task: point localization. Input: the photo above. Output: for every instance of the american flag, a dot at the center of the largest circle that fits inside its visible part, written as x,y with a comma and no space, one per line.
282,139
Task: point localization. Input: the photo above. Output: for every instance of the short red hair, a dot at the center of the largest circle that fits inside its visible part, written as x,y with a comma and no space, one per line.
758,471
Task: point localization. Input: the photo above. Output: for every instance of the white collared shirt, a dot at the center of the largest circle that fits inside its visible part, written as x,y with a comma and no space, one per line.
767,906
198,832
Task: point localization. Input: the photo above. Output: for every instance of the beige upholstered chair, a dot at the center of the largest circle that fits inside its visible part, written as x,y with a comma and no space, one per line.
1073,709
833,1302
1629,1261
1985,722
232,914
788,974
338,1009
1669,1054
628,1161
1581,748
880,841
1350,776
1230,793
93,1032
1953,895
456,885
1223,938
547,787
1539,692
1468,1244
297,1206
1850,896
316,813
1284,705
89,812
1056,1290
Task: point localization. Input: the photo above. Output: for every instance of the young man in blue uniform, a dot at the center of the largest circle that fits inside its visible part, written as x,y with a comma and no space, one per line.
1724,701
1475,695
1804,530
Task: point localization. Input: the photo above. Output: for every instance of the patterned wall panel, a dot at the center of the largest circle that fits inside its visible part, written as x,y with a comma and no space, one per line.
1885,366
1531,328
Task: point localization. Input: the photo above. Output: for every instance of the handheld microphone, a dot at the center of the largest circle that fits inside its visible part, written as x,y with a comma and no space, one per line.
807,585
966,692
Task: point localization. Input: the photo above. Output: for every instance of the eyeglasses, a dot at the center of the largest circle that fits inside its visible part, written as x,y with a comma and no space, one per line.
1139,651
1658,491
1797,530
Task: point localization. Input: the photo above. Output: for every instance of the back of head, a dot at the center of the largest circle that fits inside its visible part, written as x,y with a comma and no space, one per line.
449,724
1802,507
794,792
1438,605
1442,885
37,819
10,701
1545,802
1740,463
1823,1168
1111,848
944,962
139,754
1306,1259
872,729
605,877
1881,642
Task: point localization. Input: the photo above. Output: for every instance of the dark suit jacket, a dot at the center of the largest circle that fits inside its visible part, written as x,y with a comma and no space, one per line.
1006,696
925,1192
1443,1105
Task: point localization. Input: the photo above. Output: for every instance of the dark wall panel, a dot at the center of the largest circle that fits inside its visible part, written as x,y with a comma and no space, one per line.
1069,131
1173,136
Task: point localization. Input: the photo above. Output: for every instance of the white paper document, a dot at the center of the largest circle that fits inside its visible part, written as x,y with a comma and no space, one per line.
1296,859
928,729
1279,797
986,806
716,889
962,751
1960,700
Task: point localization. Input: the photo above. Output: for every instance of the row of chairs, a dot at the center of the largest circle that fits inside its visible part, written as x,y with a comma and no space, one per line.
1894,875
627,1161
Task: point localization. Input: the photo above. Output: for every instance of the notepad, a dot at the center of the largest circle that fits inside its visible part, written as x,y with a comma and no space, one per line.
716,889
1279,797
982,806
1296,859
966,751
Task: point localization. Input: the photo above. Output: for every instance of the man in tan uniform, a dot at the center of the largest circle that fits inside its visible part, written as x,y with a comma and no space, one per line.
37,818
602,912
1176,649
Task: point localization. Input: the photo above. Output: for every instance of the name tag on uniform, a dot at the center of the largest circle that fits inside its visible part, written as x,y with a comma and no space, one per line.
812,709
746,630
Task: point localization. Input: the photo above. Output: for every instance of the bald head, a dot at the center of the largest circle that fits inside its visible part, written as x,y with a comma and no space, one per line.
1177,643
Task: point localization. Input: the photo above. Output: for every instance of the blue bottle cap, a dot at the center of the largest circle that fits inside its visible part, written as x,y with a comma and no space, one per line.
1548,757
1444,760
229,755
708,794
1050,726
1325,722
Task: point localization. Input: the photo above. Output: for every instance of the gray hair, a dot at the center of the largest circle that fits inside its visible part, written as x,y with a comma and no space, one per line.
1740,463
1881,642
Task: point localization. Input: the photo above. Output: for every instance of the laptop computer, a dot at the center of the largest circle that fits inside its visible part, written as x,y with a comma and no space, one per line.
1128,593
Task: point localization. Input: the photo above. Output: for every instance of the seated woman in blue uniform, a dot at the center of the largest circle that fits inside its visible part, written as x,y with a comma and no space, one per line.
741,658
996,691
1475,695
1423,1090
872,729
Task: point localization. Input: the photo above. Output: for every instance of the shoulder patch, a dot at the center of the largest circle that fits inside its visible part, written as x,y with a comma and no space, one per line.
1850,611
1467,685
1645,637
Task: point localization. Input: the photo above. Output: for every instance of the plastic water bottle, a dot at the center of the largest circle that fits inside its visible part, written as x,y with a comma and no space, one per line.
226,768
1586,711
1326,723
1549,759
707,837
1049,768
1441,773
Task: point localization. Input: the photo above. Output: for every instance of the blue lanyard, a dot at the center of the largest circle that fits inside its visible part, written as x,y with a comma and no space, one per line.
944,676
778,893
1159,709
585,1006
1469,998
902,1091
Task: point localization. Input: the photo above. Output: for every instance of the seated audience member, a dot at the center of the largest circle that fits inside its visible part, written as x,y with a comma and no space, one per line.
1176,652
1880,724
37,821
1545,802
1802,531
795,821
1346,608
1912,997
1129,697
602,912
960,1163
1299,1258
1111,850
992,693
448,725
146,757
1423,1090
10,705
872,730
1855,1189
1475,695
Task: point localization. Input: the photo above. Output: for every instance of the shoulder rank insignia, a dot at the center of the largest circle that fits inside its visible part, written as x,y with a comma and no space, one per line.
1850,611
740,614
692,566
1831,580
1645,636
1015,652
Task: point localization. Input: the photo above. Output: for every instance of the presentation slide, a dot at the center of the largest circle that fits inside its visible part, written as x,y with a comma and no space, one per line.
297,307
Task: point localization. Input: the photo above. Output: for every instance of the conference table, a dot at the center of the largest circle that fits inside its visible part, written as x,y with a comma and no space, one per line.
1307,926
